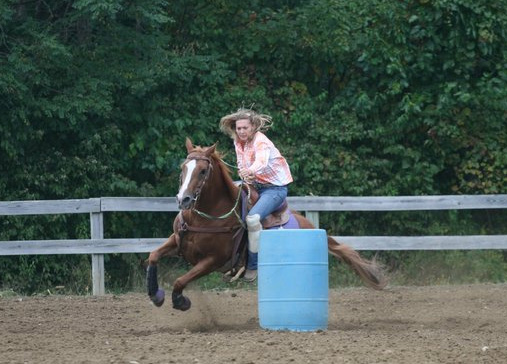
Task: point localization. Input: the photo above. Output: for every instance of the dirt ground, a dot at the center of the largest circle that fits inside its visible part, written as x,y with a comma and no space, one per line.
436,324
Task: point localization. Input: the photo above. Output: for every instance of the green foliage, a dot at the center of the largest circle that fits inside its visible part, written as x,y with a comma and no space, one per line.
369,97
417,268
451,267
29,274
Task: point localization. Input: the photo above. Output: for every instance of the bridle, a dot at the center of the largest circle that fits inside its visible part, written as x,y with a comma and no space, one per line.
199,188
209,169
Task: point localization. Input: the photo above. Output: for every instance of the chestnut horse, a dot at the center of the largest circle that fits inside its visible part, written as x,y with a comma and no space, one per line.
208,231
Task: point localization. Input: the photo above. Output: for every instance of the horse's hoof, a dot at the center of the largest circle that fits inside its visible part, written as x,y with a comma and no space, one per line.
159,298
182,303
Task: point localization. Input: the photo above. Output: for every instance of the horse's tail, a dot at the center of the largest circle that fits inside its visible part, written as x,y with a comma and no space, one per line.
370,272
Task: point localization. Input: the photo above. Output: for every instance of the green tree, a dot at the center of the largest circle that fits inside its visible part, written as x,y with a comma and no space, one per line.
368,97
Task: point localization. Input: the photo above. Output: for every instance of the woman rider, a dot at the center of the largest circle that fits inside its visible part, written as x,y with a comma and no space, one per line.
260,164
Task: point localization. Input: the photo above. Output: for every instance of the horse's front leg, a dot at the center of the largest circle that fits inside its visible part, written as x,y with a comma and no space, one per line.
205,266
167,249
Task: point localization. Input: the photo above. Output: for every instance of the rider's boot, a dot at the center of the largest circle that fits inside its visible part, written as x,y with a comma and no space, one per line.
254,230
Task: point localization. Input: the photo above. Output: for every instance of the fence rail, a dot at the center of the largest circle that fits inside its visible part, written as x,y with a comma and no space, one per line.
97,246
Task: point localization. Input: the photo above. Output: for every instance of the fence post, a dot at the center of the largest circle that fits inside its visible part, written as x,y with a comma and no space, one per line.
313,216
97,232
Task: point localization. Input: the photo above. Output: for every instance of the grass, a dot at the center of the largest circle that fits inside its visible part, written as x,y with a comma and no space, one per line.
8,293
410,268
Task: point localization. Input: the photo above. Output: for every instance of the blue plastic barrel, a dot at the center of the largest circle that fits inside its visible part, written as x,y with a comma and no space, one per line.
293,281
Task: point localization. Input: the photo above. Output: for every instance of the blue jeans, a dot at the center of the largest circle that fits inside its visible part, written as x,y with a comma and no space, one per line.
270,198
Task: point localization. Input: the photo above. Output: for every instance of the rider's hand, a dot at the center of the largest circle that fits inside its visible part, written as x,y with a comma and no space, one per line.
246,175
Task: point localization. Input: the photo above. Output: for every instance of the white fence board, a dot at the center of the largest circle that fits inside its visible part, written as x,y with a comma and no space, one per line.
435,242
139,204
46,207
139,245
398,203
78,246
304,203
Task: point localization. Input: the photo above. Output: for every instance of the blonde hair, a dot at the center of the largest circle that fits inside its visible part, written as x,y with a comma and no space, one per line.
260,122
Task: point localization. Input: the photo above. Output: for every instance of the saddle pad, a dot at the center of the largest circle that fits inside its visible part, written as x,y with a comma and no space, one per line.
290,223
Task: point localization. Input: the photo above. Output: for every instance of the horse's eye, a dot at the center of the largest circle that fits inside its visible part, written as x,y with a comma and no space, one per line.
202,173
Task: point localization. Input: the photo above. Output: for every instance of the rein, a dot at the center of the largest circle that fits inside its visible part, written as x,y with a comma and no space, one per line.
226,215
229,165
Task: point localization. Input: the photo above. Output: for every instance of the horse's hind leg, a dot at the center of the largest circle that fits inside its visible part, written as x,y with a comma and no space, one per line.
168,248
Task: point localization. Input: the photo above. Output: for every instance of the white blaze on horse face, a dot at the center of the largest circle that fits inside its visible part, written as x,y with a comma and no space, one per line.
190,166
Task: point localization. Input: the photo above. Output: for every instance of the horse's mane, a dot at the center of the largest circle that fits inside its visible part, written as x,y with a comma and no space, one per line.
224,170
226,174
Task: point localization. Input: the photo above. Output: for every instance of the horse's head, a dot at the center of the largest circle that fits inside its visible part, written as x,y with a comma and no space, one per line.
195,171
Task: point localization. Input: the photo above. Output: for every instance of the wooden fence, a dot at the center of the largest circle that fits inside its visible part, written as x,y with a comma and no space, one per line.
97,246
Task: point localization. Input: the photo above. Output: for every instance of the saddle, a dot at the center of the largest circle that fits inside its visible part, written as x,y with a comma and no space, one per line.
278,217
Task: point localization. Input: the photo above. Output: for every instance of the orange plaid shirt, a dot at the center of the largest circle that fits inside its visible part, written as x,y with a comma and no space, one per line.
261,157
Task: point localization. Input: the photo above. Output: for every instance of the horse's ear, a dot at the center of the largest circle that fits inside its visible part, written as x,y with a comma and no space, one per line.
211,150
188,144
